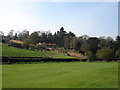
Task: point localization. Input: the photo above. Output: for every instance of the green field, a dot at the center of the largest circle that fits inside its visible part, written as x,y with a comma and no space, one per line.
61,75
8,51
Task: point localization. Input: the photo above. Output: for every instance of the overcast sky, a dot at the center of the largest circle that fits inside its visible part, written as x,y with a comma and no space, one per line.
91,18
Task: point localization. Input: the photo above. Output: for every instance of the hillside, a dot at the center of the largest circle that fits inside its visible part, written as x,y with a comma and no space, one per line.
8,51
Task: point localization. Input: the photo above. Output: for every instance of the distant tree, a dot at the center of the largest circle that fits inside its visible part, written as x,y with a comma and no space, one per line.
41,47
11,34
49,38
55,38
16,36
80,41
34,37
60,36
1,37
43,37
75,41
66,42
117,54
1,33
70,34
118,42
106,43
90,56
105,53
86,37
62,50
93,44
23,35
102,37
85,47
26,43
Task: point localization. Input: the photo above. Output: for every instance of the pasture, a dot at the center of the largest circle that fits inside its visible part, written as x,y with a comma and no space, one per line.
61,75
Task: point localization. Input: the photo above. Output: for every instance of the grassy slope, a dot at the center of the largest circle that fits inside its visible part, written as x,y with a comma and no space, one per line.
61,75
15,52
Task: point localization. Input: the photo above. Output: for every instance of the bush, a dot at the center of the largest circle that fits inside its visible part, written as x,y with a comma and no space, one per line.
33,47
41,47
117,54
105,54
90,56
62,50
26,43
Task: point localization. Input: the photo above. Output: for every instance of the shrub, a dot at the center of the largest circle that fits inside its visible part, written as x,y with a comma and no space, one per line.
105,54
26,43
62,50
117,54
41,47
90,56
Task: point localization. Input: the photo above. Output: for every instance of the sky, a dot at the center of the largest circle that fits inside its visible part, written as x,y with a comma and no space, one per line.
91,18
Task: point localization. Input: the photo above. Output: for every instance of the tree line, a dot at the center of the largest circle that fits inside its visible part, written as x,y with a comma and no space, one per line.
92,47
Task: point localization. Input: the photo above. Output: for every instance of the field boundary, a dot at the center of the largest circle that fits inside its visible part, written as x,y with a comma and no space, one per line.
36,59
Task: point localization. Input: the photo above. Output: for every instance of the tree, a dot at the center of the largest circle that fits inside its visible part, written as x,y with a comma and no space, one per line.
118,42
16,36
86,37
105,53
26,43
90,56
34,37
43,37
41,47
49,38
93,44
117,54
66,42
1,33
75,41
60,36
106,43
85,47
70,34
10,34
1,36
23,35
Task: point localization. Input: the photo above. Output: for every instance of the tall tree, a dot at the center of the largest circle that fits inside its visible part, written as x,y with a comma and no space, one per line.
66,42
50,38
34,37
60,37
1,37
43,38
93,44
118,42
23,35
11,34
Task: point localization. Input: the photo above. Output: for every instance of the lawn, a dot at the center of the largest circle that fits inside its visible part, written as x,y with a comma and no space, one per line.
16,52
61,75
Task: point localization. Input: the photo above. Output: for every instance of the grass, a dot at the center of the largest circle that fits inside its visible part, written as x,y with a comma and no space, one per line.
16,52
8,51
61,75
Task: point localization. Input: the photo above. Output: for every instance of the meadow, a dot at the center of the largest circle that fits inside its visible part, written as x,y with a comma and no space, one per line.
61,75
